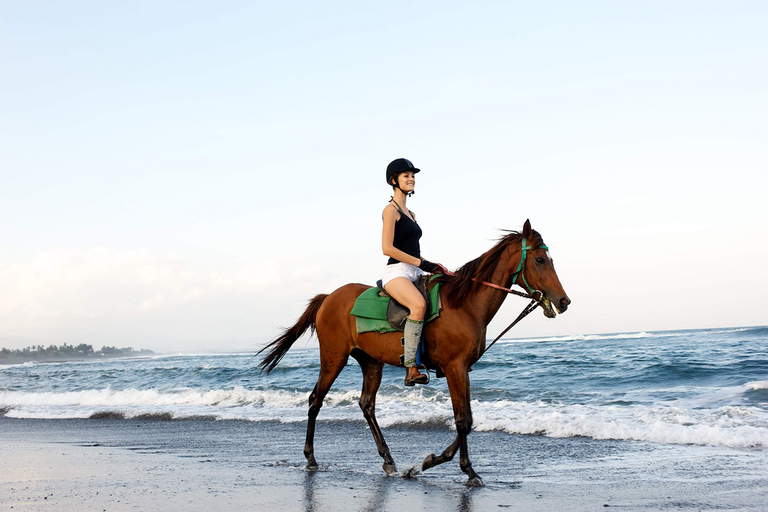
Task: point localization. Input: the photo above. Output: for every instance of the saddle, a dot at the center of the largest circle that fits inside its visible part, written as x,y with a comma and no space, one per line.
375,310
396,312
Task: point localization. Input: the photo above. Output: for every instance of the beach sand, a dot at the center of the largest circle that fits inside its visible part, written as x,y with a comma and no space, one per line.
150,464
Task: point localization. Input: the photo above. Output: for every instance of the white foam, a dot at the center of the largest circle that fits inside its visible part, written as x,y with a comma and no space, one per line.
757,384
617,336
108,397
726,426
19,365
673,422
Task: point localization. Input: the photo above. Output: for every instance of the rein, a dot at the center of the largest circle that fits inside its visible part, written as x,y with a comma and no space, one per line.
528,309
535,295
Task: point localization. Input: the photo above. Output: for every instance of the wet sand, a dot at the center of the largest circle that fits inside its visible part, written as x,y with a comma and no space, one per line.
147,464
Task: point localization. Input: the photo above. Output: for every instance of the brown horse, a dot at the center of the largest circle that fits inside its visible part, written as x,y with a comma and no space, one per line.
454,341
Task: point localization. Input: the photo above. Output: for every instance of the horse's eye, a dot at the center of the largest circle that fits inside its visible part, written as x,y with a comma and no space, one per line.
540,261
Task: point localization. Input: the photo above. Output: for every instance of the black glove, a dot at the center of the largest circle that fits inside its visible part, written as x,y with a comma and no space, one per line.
432,268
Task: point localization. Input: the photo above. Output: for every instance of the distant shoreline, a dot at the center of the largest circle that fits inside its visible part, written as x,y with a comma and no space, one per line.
67,353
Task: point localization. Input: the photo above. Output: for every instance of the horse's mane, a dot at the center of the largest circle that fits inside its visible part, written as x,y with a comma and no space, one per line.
461,284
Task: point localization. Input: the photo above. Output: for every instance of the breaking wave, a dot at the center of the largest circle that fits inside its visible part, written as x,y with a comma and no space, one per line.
660,423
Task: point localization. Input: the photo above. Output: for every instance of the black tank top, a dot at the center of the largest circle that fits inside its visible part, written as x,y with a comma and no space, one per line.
407,234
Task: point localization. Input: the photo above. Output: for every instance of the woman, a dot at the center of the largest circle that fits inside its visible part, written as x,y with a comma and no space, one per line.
400,241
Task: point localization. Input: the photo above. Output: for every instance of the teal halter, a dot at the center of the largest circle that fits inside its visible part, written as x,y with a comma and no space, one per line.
521,265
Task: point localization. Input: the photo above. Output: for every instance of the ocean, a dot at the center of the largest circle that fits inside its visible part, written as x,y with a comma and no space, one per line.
705,387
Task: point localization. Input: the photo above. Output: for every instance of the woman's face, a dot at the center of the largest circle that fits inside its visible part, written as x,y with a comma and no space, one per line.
406,181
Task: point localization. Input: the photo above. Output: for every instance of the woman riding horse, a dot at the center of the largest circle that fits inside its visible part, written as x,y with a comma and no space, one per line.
454,341
400,241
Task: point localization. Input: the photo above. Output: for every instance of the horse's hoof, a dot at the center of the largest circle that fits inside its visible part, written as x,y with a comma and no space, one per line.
428,462
475,481
389,469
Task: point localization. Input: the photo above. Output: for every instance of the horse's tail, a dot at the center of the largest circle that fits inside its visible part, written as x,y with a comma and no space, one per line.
279,347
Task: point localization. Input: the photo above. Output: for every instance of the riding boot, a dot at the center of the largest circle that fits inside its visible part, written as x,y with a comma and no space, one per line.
412,337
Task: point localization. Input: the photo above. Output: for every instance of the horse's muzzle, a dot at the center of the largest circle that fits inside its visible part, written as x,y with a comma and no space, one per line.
560,305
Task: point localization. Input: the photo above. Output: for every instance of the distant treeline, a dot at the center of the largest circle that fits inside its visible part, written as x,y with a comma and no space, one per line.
67,351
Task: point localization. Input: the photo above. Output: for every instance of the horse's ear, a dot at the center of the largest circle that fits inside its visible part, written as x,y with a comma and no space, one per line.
527,229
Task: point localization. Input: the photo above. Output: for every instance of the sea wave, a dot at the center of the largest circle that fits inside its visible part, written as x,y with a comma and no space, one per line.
758,330
757,384
594,337
108,397
671,423
27,364
743,427
634,335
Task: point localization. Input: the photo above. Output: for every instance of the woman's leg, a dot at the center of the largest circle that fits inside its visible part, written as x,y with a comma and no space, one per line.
404,292
412,335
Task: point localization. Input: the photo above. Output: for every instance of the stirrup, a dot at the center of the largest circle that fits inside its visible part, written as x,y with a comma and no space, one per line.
421,379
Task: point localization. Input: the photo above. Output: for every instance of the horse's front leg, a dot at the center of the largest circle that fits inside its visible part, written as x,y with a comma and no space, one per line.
458,385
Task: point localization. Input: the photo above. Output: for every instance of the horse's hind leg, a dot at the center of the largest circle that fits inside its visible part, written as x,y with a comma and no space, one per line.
458,385
329,369
371,381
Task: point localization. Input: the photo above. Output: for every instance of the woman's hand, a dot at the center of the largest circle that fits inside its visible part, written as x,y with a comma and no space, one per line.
432,268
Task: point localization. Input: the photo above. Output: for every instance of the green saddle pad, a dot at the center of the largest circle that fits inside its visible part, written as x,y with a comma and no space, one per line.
370,310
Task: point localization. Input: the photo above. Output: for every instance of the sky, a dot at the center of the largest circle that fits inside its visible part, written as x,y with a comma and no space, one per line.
185,176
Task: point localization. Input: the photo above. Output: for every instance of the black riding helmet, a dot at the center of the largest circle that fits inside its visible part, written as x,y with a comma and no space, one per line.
395,167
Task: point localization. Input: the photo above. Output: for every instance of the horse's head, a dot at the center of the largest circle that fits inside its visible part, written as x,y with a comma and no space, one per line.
538,273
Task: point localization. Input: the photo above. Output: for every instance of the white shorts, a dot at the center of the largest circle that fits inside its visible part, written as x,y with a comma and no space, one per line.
411,272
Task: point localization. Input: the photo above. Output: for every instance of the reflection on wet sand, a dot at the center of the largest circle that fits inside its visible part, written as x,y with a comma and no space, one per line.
385,493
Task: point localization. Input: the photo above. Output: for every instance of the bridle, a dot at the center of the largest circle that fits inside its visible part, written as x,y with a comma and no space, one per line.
536,296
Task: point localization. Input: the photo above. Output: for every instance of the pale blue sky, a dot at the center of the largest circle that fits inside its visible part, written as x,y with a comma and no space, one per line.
185,175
